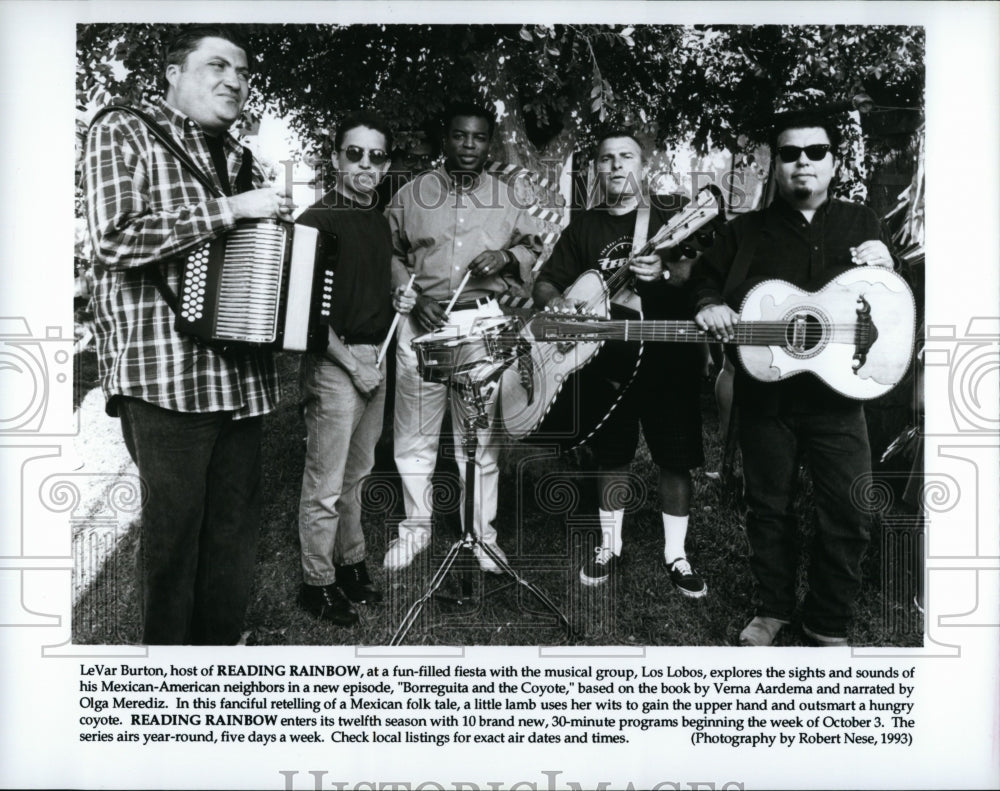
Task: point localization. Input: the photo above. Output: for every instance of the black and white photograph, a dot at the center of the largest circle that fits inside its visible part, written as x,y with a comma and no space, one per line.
516,162
447,375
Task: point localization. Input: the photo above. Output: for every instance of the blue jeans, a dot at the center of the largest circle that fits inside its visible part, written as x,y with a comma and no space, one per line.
835,446
200,521
342,428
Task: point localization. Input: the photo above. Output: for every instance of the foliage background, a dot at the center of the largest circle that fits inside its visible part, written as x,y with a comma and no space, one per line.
708,88
703,86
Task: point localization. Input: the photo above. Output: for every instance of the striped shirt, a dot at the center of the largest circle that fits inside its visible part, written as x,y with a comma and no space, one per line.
145,209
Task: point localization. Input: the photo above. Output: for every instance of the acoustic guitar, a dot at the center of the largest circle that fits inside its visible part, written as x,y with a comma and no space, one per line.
855,333
531,387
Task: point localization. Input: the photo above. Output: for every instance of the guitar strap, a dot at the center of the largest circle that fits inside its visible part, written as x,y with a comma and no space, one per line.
744,255
244,178
641,232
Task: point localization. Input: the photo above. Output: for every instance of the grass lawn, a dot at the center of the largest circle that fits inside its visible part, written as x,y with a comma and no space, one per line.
546,525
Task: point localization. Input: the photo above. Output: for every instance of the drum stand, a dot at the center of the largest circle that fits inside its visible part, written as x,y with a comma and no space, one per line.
478,418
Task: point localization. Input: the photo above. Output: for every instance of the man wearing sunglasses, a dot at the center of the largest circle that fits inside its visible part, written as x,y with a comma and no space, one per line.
804,237
446,224
343,390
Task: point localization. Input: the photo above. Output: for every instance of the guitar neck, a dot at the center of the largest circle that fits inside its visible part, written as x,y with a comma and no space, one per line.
753,333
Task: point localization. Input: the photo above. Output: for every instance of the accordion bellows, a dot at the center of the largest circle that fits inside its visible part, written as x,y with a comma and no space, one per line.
267,284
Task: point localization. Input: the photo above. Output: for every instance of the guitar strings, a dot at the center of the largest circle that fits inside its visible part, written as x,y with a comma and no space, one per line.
617,279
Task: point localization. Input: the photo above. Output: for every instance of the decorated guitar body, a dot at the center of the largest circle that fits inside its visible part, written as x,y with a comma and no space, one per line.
855,333
531,386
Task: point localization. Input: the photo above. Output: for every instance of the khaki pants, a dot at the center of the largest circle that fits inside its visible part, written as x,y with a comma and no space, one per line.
419,413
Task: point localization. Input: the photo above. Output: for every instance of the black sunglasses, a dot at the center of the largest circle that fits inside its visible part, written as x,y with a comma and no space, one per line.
790,154
375,155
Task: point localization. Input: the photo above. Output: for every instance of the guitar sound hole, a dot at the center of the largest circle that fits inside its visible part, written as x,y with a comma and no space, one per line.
803,334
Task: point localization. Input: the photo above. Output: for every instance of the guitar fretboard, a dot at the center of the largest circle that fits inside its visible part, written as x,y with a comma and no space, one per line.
750,333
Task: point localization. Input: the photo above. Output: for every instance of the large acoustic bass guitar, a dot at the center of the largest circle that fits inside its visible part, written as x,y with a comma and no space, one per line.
855,333
540,392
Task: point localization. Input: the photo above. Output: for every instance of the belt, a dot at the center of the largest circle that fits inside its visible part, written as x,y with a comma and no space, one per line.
360,341
469,304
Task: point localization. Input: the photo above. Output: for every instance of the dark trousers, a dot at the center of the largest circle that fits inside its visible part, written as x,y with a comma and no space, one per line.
835,446
200,521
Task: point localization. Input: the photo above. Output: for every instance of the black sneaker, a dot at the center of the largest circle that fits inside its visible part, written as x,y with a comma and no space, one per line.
356,585
685,580
328,603
597,570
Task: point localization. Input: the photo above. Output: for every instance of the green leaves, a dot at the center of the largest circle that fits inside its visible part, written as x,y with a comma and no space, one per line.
710,85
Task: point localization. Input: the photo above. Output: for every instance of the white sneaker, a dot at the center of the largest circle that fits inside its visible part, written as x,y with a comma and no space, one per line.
401,551
486,563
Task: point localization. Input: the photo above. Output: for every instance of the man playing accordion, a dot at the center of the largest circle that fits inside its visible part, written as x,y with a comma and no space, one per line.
191,416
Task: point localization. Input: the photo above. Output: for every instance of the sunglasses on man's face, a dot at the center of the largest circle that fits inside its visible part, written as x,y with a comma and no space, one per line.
375,155
791,154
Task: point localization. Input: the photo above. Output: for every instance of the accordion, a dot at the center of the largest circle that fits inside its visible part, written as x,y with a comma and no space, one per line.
266,284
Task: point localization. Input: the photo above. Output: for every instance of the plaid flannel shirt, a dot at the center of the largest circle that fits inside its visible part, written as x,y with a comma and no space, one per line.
145,209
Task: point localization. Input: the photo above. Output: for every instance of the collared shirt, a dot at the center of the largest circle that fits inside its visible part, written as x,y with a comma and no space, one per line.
437,231
791,248
145,209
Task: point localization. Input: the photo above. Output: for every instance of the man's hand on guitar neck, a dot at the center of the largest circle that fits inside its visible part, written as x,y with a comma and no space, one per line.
563,305
718,320
550,298
648,268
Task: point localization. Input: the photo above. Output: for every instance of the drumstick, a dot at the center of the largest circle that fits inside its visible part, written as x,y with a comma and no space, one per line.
459,290
392,327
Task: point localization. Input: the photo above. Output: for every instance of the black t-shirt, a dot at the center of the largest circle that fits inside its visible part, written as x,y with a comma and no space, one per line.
597,239
361,311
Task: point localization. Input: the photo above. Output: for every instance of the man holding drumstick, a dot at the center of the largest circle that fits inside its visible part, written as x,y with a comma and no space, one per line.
343,389
458,230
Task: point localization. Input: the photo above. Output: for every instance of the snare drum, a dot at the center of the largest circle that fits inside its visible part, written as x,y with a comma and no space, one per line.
443,352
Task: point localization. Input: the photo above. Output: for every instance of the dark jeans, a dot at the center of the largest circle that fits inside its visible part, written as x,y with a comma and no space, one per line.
835,446
200,521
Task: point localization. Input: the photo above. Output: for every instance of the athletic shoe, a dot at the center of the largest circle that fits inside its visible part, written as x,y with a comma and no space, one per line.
356,585
761,631
823,640
599,568
401,551
486,563
685,580
327,603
